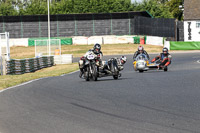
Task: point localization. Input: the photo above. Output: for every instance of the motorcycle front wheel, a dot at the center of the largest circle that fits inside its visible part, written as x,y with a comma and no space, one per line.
94,75
87,78
140,71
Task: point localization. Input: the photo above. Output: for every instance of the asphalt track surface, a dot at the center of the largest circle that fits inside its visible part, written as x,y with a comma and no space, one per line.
149,102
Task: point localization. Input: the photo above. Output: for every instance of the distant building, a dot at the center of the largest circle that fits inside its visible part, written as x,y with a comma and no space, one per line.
191,20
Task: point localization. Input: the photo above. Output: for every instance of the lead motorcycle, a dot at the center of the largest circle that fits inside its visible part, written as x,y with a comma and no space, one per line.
91,67
93,70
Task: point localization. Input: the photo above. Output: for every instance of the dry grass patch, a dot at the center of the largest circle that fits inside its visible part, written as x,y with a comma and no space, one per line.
79,50
12,80
76,50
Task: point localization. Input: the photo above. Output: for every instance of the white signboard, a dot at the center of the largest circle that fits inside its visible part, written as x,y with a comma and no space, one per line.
192,30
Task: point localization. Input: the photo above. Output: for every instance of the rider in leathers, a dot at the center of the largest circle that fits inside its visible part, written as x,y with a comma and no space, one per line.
164,57
97,51
120,63
140,51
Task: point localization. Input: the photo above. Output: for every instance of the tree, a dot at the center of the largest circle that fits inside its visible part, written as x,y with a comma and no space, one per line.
157,8
36,7
174,8
7,8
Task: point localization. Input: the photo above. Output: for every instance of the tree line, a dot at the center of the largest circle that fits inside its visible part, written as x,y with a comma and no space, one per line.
157,8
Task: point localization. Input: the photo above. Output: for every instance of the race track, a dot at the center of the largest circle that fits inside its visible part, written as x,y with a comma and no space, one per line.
149,102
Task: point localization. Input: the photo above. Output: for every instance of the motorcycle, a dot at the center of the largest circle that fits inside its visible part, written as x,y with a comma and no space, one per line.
110,69
142,64
91,68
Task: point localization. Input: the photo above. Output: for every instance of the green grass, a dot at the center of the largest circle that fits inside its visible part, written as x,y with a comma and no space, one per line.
57,70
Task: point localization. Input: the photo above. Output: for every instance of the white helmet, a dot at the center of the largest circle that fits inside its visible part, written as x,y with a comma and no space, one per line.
124,59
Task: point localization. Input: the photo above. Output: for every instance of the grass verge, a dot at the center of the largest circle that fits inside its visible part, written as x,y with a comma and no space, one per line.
57,70
77,51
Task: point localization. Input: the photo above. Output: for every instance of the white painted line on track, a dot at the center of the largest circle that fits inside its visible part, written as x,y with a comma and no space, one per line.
21,84
32,81
70,73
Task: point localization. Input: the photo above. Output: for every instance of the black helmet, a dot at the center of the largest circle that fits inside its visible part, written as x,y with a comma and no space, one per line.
165,50
97,48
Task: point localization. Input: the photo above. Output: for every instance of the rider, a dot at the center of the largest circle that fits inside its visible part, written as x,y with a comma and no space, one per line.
120,63
97,51
164,57
140,51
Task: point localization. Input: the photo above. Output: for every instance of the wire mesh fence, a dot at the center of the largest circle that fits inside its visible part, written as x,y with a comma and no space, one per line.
130,23
44,47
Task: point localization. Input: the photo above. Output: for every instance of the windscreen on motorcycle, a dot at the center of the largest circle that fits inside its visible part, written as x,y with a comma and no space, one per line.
141,57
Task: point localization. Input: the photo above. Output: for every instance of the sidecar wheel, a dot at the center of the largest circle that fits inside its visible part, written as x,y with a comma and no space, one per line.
115,76
165,69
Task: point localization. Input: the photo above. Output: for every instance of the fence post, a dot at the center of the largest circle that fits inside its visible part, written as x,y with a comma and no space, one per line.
1,65
4,64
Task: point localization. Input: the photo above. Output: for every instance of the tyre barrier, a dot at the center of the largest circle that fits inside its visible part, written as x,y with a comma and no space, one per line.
21,66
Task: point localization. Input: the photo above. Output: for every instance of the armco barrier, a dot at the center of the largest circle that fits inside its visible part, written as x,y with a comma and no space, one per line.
184,45
80,40
153,40
63,40
167,44
21,66
117,39
125,39
109,40
63,59
95,39
18,42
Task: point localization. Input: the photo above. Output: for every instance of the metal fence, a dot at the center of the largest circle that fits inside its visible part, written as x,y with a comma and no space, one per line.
129,23
154,26
180,31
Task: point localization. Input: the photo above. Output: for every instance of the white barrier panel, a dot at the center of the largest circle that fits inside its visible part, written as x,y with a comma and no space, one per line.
95,39
125,39
167,44
80,40
18,42
63,59
109,40
153,40
3,43
118,39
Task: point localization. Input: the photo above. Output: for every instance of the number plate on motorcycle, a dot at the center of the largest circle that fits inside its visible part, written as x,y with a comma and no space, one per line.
90,57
